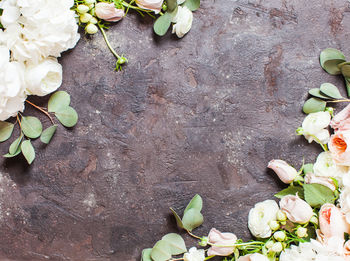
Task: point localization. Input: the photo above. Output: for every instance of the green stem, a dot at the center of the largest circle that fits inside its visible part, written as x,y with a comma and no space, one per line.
107,42
344,100
324,146
192,235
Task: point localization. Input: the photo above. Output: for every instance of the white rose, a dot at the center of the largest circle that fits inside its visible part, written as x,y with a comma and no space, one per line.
260,216
314,124
183,20
326,167
194,254
43,78
10,13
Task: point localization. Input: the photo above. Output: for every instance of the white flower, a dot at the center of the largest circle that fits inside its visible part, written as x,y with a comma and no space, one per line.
12,95
43,78
194,254
183,20
310,251
326,167
10,14
260,216
344,198
314,124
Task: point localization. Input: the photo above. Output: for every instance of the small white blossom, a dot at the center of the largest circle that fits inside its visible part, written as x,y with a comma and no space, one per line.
194,254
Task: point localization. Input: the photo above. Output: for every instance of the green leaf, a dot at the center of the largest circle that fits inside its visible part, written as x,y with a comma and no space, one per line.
178,219
176,243
31,127
330,58
6,130
47,134
28,151
347,82
317,195
193,5
196,202
16,145
67,116
172,4
345,70
58,101
314,105
162,24
161,251
317,93
146,254
330,90
308,168
192,219
291,190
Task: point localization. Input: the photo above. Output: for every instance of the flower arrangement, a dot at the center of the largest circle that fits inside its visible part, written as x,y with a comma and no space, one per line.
311,221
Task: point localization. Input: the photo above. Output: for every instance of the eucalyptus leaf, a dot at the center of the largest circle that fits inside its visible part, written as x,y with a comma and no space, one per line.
347,83
317,93
192,219
178,219
28,151
58,101
176,243
291,190
31,127
193,5
330,90
146,254
314,105
317,195
330,58
16,145
196,202
345,70
162,24
67,116
172,4
308,168
6,129
161,251
47,134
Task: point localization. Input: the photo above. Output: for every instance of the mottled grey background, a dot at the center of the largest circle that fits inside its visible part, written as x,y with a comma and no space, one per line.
203,114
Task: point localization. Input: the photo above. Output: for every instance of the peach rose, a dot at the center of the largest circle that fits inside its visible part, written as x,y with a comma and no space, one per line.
338,146
311,178
296,209
332,222
341,121
108,12
154,5
221,239
284,171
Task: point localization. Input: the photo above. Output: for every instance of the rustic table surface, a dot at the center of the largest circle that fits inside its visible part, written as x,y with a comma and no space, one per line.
203,114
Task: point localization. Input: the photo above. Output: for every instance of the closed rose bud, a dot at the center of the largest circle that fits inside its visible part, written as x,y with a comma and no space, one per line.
82,9
296,209
301,232
108,12
91,29
269,244
253,257
221,239
85,18
93,20
154,5
284,171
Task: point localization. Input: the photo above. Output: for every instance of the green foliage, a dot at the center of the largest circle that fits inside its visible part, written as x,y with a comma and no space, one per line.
6,130
161,251
317,93
47,134
15,147
28,151
31,127
146,254
291,190
58,101
329,60
67,116
330,90
193,5
314,105
308,168
317,195
162,24
176,243
172,4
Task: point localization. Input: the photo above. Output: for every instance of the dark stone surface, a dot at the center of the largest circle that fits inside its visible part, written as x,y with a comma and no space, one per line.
203,114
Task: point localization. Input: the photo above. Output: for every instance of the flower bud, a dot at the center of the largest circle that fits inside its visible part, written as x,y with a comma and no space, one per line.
283,223
299,131
314,220
85,18
280,235
108,12
82,9
89,2
203,242
91,6
284,171
296,209
330,110
301,232
91,29
281,216
269,244
93,20
274,225
276,247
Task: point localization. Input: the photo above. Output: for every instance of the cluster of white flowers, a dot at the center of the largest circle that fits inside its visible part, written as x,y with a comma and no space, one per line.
35,33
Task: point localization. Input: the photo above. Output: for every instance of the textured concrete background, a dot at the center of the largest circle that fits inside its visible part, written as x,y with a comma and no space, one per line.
203,114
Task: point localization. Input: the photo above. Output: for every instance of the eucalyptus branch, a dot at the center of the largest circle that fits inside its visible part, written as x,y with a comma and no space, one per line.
42,110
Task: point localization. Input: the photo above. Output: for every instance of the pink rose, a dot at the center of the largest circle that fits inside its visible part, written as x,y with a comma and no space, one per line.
311,178
341,120
253,257
108,12
221,239
284,171
154,5
332,222
296,209
338,146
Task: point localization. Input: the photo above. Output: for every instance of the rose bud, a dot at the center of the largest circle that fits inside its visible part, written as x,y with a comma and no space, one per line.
296,209
221,239
341,121
108,12
284,171
253,257
154,5
311,178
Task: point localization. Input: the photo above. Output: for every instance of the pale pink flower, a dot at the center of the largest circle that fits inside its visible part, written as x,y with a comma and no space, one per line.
224,241
341,120
284,171
253,257
311,178
332,222
338,146
108,12
296,209
154,5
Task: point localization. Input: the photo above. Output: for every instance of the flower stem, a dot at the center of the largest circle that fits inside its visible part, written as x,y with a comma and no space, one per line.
344,100
19,122
107,42
192,235
42,110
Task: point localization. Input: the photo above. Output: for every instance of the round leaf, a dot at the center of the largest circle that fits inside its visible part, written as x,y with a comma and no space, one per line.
178,219
192,219
193,5
146,254
31,127
317,93
161,251
47,134
58,101
345,70
330,58
28,151
67,116
196,202
314,105
6,130
330,90
162,24
317,195
172,4
15,147
176,243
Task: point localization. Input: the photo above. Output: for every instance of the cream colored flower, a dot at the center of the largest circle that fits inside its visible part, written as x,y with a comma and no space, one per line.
296,209
183,20
194,254
314,125
284,171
